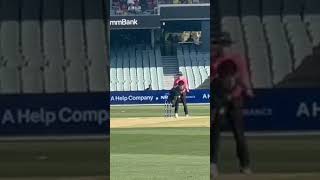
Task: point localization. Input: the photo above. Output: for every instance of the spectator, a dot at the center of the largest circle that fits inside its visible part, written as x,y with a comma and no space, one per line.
185,36
130,2
122,7
144,5
196,35
149,88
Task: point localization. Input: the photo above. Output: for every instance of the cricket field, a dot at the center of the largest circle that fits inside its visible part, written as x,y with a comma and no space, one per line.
146,146
53,160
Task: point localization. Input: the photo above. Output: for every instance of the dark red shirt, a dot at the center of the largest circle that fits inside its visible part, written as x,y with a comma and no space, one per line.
244,84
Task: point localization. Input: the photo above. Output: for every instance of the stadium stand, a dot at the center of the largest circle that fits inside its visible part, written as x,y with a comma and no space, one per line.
276,36
131,7
183,1
134,68
143,57
53,46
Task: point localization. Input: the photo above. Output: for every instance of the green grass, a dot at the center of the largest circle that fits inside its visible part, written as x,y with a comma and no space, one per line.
183,153
154,111
65,159
160,154
164,141
159,167
275,154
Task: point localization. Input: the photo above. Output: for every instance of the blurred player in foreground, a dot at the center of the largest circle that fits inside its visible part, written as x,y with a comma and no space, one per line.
229,86
182,82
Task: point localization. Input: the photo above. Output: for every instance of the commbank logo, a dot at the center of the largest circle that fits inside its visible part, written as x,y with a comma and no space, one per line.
124,22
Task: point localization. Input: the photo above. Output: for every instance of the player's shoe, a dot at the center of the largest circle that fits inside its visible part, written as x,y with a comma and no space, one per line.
214,171
176,115
246,170
187,115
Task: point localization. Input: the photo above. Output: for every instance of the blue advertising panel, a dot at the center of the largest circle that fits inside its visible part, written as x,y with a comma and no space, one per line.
58,114
283,109
155,97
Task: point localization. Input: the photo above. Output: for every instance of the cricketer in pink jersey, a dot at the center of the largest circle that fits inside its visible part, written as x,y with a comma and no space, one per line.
230,84
180,80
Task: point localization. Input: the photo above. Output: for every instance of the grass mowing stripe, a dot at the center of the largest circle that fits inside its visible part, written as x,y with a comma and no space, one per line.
160,144
80,158
271,154
159,167
162,131
153,111
160,154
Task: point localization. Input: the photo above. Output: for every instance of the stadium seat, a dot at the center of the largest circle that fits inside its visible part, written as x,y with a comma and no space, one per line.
54,79
138,66
260,72
113,87
235,30
250,20
113,70
113,75
314,30
207,62
159,66
197,76
153,70
146,69
9,80
189,72
299,40
133,86
203,73
140,71
31,33
133,72
74,31
97,78
95,32
253,31
10,33
76,78
282,62
52,33
32,80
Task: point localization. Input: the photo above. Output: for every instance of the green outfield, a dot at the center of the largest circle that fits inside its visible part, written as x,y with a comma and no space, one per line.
275,158
54,159
145,146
